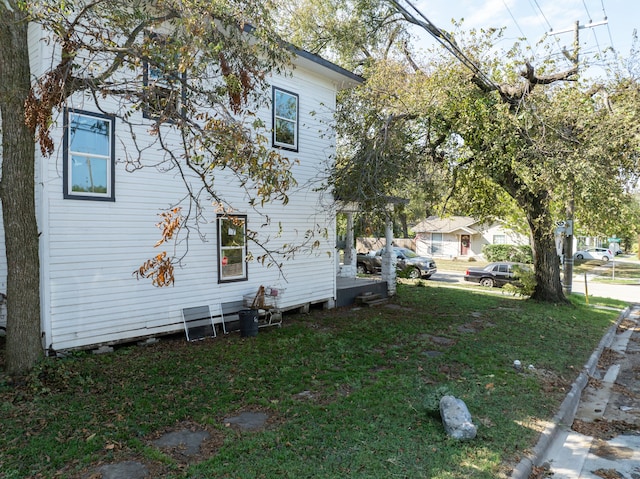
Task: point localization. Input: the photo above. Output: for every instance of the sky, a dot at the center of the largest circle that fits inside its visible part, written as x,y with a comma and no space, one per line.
535,18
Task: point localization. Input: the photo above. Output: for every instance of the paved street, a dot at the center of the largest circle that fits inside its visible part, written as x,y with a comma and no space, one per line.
623,292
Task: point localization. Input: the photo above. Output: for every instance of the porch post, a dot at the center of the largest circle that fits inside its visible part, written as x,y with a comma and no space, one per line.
389,259
349,266
349,252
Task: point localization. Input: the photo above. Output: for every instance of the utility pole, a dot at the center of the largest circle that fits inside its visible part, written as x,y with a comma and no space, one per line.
567,263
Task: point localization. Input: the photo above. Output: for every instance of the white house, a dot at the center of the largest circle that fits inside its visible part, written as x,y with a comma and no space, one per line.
461,236
97,221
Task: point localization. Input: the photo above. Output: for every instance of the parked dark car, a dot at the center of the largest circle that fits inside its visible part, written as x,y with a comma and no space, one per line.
409,263
494,274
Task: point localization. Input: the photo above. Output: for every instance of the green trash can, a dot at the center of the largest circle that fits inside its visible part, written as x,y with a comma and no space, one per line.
248,323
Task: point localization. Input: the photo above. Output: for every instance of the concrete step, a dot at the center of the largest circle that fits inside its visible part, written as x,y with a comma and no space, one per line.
377,302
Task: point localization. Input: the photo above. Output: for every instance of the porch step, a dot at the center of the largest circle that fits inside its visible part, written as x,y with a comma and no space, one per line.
371,299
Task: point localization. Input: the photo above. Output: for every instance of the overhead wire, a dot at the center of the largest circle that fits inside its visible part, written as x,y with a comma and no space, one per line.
604,12
595,36
543,15
535,6
446,40
517,24
586,10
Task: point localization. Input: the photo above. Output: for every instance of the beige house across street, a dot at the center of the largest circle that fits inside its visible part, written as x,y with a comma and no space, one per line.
461,236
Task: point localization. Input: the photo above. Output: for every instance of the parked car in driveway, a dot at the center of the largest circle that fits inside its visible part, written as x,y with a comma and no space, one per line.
494,274
603,254
408,263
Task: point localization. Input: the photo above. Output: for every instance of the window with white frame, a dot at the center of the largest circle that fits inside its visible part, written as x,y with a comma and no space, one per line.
89,160
232,248
285,119
499,239
436,243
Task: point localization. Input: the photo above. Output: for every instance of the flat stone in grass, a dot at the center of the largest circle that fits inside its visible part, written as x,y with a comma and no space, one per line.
432,354
128,470
188,441
247,421
439,340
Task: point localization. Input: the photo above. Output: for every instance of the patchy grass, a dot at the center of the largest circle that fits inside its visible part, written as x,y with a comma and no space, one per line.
349,393
615,272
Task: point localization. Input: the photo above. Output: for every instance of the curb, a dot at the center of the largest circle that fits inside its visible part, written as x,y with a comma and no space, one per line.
569,406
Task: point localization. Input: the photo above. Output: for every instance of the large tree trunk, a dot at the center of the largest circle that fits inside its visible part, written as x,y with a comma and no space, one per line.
24,346
545,256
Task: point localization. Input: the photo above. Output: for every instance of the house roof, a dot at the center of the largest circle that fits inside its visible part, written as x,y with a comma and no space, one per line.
343,78
450,224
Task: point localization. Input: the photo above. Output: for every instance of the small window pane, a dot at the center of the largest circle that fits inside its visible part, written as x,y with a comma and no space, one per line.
232,263
89,175
285,132
89,135
286,105
232,233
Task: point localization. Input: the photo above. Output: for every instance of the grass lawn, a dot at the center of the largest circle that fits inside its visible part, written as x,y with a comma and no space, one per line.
617,272
349,393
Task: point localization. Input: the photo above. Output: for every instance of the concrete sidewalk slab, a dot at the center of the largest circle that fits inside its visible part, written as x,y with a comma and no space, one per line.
570,454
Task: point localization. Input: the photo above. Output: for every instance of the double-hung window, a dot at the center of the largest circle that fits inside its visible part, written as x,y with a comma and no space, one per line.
436,243
285,119
232,248
89,160
499,239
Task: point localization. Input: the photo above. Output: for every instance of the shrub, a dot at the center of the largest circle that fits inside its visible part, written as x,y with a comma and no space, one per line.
526,284
508,252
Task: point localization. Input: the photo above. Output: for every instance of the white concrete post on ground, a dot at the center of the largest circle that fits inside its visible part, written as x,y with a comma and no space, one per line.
349,267
350,254
389,260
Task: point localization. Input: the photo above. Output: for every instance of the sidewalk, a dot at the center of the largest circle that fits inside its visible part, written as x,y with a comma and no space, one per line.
596,433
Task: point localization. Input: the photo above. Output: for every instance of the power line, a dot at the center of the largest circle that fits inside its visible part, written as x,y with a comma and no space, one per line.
613,47
446,40
517,24
543,15
586,10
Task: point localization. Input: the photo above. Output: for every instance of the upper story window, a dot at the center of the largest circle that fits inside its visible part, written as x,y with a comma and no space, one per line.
285,119
232,248
89,160
163,92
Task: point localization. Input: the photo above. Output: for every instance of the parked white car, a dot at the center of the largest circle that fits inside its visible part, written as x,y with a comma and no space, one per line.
602,254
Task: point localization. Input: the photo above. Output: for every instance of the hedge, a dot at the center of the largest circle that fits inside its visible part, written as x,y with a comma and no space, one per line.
508,252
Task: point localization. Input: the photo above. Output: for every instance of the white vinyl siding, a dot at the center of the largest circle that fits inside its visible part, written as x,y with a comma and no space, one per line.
92,247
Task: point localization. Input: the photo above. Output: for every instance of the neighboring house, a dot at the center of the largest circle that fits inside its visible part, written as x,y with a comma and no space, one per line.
97,221
461,236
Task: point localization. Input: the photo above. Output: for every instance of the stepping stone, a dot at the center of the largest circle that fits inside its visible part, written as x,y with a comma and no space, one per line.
128,469
188,441
248,421
432,354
